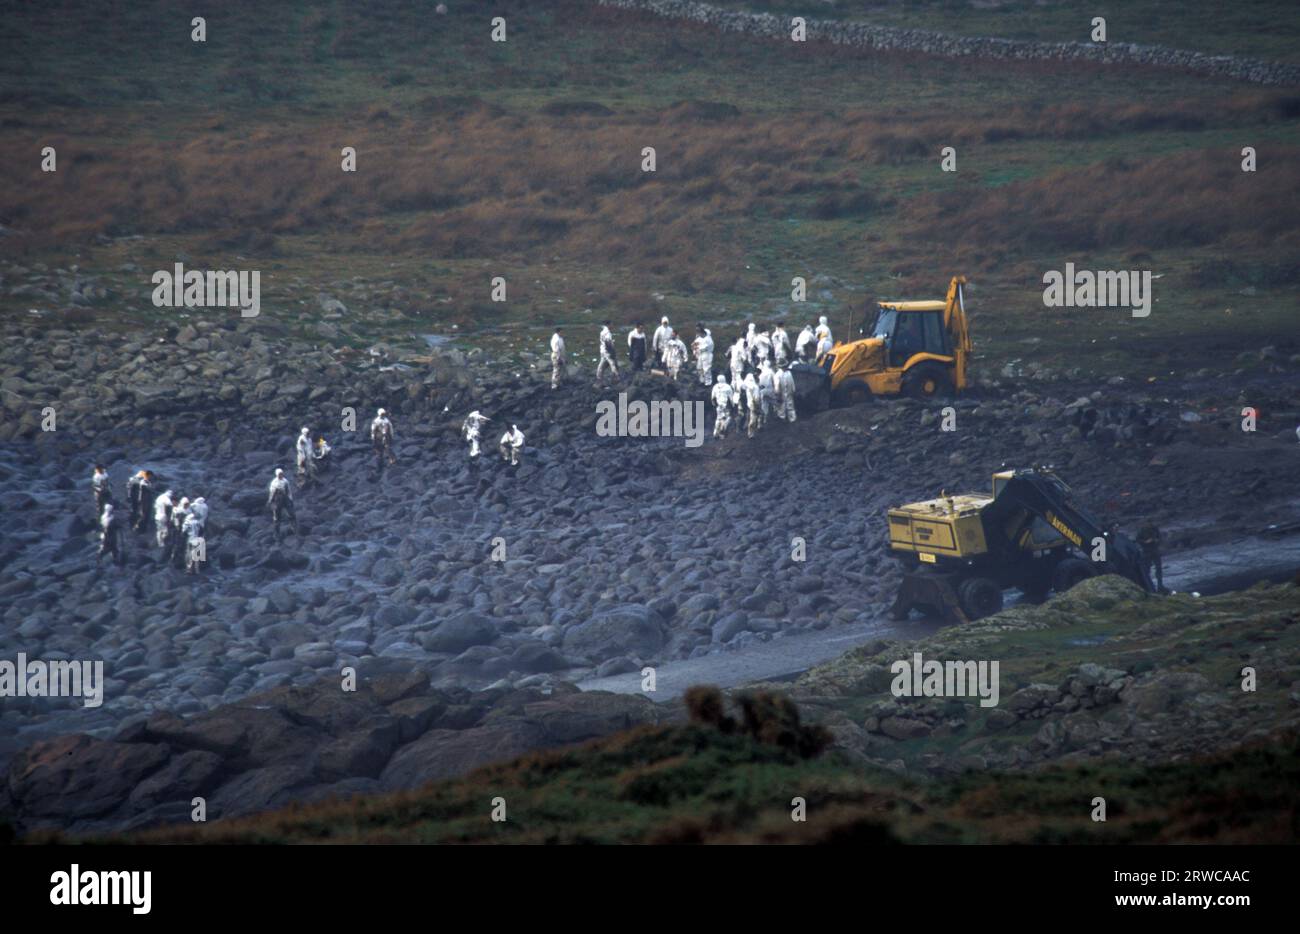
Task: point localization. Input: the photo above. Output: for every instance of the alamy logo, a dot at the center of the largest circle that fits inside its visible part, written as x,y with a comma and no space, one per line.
75,887
917,678
1113,288
637,419
217,288
53,679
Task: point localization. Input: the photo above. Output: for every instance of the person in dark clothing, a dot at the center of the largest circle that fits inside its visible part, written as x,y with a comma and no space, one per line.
636,347
139,496
175,552
1149,538
103,494
279,499
381,437
111,538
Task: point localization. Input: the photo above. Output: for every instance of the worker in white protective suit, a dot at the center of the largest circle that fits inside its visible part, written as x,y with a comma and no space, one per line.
823,331
823,346
766,391
721,407
675,355
739,356
305,463
472,429
196,546
199,510
162,516
512,442
608,353
780,344
703,345
762,348
753,402
557,359
803,347
659,343
785,395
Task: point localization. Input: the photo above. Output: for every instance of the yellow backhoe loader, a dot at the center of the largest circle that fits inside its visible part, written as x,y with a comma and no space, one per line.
918,349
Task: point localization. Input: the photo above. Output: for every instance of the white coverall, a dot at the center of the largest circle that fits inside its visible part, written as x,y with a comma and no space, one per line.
806,339
607,359
785,395
306,466
162,508
754,402
472,430
739,354
557,359
766,390
704,356
674,356
780,346
722,407
658,343
512,442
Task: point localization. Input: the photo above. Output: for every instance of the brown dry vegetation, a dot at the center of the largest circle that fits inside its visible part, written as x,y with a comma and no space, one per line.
463,179
1195,199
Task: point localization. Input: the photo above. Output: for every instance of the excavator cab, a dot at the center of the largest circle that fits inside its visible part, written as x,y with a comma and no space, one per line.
910,328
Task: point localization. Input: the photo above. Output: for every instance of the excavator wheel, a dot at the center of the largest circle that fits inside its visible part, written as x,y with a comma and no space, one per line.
928,381
1070,572
979,597
929,592
851,392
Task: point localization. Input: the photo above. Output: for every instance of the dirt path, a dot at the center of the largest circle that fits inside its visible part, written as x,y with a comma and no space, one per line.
1208,570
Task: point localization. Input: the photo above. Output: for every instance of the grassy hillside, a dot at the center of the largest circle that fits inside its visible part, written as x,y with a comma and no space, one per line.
522,159
695,785
1213,764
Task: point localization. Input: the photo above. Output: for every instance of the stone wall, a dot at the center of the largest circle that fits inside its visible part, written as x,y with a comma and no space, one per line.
884,38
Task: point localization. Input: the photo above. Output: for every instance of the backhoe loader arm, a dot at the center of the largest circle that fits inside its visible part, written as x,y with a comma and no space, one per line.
1041,494
958,328
954,314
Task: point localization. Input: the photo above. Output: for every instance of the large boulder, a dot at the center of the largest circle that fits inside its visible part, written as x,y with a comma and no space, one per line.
460,633
78,776
449,753
632,629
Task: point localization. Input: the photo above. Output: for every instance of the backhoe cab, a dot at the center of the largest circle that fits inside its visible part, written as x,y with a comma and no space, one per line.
919,349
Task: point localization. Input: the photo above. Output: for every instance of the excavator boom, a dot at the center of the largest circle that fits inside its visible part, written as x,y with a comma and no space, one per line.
1031,494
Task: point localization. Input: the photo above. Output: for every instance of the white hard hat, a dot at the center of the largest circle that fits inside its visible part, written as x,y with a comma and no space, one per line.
306,430
279,471
382,413
665,320
721,378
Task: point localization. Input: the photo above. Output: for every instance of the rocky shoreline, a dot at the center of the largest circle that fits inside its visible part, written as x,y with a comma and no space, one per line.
619,553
